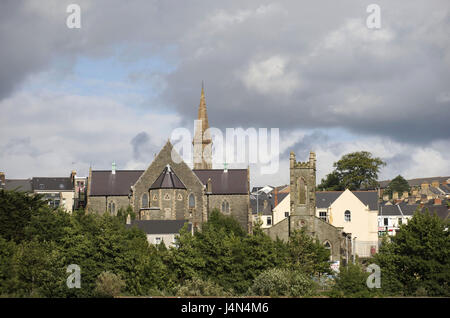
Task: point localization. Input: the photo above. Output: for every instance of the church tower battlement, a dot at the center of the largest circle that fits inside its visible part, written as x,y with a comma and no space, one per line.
303,185
202,138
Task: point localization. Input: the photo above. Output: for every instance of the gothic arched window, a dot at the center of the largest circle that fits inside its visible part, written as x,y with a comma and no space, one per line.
225,207
191,201
347,216
301,191
144,203
112,208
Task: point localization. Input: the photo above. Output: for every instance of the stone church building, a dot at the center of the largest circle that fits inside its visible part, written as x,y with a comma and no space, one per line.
170,190
303,211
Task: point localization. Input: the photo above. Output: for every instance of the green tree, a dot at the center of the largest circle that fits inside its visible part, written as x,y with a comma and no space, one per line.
398,184
276,282
416,261
356,170
306,254
351,281
199,287
108,285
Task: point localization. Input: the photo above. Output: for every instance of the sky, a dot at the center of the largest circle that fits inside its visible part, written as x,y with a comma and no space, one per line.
115,89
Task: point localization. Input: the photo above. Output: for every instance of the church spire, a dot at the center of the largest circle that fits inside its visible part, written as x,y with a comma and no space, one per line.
202,138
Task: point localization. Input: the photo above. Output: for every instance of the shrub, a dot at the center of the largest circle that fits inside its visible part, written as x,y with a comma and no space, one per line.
199,287
108,285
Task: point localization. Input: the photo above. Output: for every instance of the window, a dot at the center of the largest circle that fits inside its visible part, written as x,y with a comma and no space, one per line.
167,196
112,208
347,216
323,216
144,201
191,201
400,221
301,191
386,221
158,240
225,207
286,214
269,220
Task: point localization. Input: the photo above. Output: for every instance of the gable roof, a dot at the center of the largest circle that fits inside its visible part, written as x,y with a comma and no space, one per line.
104,183
167,180
234,181
22,185
51,184
325,198
408,209
160,226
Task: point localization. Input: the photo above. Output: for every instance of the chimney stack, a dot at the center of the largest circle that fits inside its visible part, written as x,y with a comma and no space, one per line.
2,179
276,196
113,170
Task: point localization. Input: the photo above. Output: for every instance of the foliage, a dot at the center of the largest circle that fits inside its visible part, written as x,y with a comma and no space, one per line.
277,282
353,171
307,255
398,184
108,285
351,282
199,287
417,259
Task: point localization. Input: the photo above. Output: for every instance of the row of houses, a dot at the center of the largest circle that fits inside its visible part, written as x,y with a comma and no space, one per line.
361,214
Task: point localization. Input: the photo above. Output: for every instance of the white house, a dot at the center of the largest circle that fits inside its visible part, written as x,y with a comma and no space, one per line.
356,212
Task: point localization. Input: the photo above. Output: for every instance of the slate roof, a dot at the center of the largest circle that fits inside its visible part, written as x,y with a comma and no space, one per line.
325,198
167,180
416,182
160,226
104,183
234,181
408,209
257,202
51,184
22,185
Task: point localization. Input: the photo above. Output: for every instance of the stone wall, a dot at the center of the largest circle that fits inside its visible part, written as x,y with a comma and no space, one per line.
238,207
99,204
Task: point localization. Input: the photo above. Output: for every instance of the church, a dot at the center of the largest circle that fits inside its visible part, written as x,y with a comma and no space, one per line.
170,190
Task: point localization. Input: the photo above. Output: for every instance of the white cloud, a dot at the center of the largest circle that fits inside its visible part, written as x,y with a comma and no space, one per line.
271,76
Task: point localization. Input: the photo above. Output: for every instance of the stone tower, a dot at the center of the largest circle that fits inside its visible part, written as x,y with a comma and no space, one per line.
202,138
303,192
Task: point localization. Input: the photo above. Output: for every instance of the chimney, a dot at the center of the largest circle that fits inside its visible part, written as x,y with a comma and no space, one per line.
73,174
435,183
2,179
437,201
276,196
113,169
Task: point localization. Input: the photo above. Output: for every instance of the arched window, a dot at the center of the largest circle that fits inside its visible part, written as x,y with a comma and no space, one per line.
347,216
112,208
144,201
191,201
225,207
327,246
301,191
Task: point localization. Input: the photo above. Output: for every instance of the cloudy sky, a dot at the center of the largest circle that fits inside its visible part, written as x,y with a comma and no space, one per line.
116,88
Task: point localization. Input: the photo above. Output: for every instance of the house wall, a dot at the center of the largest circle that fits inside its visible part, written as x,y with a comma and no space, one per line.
281,208
239,206
363,224
169,239
99,204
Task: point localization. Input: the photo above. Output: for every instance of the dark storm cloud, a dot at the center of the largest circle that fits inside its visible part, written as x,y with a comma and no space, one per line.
287,64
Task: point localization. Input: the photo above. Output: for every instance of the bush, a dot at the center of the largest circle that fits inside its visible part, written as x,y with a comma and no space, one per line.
198,287
351,281
108,285
282,282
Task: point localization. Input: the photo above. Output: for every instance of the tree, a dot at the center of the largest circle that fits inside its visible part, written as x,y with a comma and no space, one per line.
108,285
417,259
351,282
398,184
307,255
199,287
353,171
277,282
